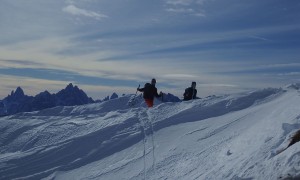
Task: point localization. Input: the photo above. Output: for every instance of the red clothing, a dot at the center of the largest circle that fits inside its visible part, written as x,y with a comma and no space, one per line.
149,102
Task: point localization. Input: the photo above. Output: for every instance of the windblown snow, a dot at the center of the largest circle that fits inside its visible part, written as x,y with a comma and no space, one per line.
217,137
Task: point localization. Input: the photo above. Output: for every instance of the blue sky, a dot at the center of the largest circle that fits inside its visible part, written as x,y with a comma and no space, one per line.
113,45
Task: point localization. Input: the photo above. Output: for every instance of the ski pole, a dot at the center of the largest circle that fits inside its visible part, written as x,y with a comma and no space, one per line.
193,93
137,90
135,95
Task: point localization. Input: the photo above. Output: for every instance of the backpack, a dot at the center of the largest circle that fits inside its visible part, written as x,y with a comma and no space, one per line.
148,91
186,94
147,85
189,93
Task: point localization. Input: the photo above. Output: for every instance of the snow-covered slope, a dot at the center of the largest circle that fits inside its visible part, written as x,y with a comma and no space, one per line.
218,137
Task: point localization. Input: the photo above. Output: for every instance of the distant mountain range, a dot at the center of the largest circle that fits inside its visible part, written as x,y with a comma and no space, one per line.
17,101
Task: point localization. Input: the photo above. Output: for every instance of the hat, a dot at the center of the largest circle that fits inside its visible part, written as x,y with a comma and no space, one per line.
193,84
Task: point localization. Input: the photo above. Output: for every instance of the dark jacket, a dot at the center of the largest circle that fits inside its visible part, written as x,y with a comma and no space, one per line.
150,91
189,94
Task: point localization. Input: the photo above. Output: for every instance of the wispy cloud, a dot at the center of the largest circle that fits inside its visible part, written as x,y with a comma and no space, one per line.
290,74
180,10
218,85
186,2
73,10
260,38
180,2
201,1
282,65
189,7
19,63
180,76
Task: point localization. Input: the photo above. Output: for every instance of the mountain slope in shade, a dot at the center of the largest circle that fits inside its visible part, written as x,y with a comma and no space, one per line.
218,137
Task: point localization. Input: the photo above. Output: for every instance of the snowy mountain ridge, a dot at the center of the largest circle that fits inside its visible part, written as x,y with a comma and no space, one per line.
17,101
293,86
218,137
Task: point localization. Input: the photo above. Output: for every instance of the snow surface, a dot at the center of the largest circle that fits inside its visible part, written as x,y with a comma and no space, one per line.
218,137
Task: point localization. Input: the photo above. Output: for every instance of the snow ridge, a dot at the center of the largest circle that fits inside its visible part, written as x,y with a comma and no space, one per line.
63,142
293,86
211,107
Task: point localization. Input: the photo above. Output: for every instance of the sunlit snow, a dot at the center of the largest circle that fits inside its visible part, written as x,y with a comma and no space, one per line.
218,137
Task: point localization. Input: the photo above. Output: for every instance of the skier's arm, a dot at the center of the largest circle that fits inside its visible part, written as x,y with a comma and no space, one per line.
140,89
195,94
156,94
185,92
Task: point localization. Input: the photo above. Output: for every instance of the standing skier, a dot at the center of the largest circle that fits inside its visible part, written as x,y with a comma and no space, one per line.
149,92
190,93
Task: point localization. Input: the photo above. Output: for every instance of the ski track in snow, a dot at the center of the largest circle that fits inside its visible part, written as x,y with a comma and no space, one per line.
218,137
148,133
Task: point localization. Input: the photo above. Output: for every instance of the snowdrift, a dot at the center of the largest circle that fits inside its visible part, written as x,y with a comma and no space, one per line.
218,137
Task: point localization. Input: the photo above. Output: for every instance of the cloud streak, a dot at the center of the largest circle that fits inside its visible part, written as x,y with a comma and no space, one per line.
73,10
189,7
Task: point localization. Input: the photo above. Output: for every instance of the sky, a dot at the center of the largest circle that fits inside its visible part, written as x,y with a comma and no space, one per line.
107,46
